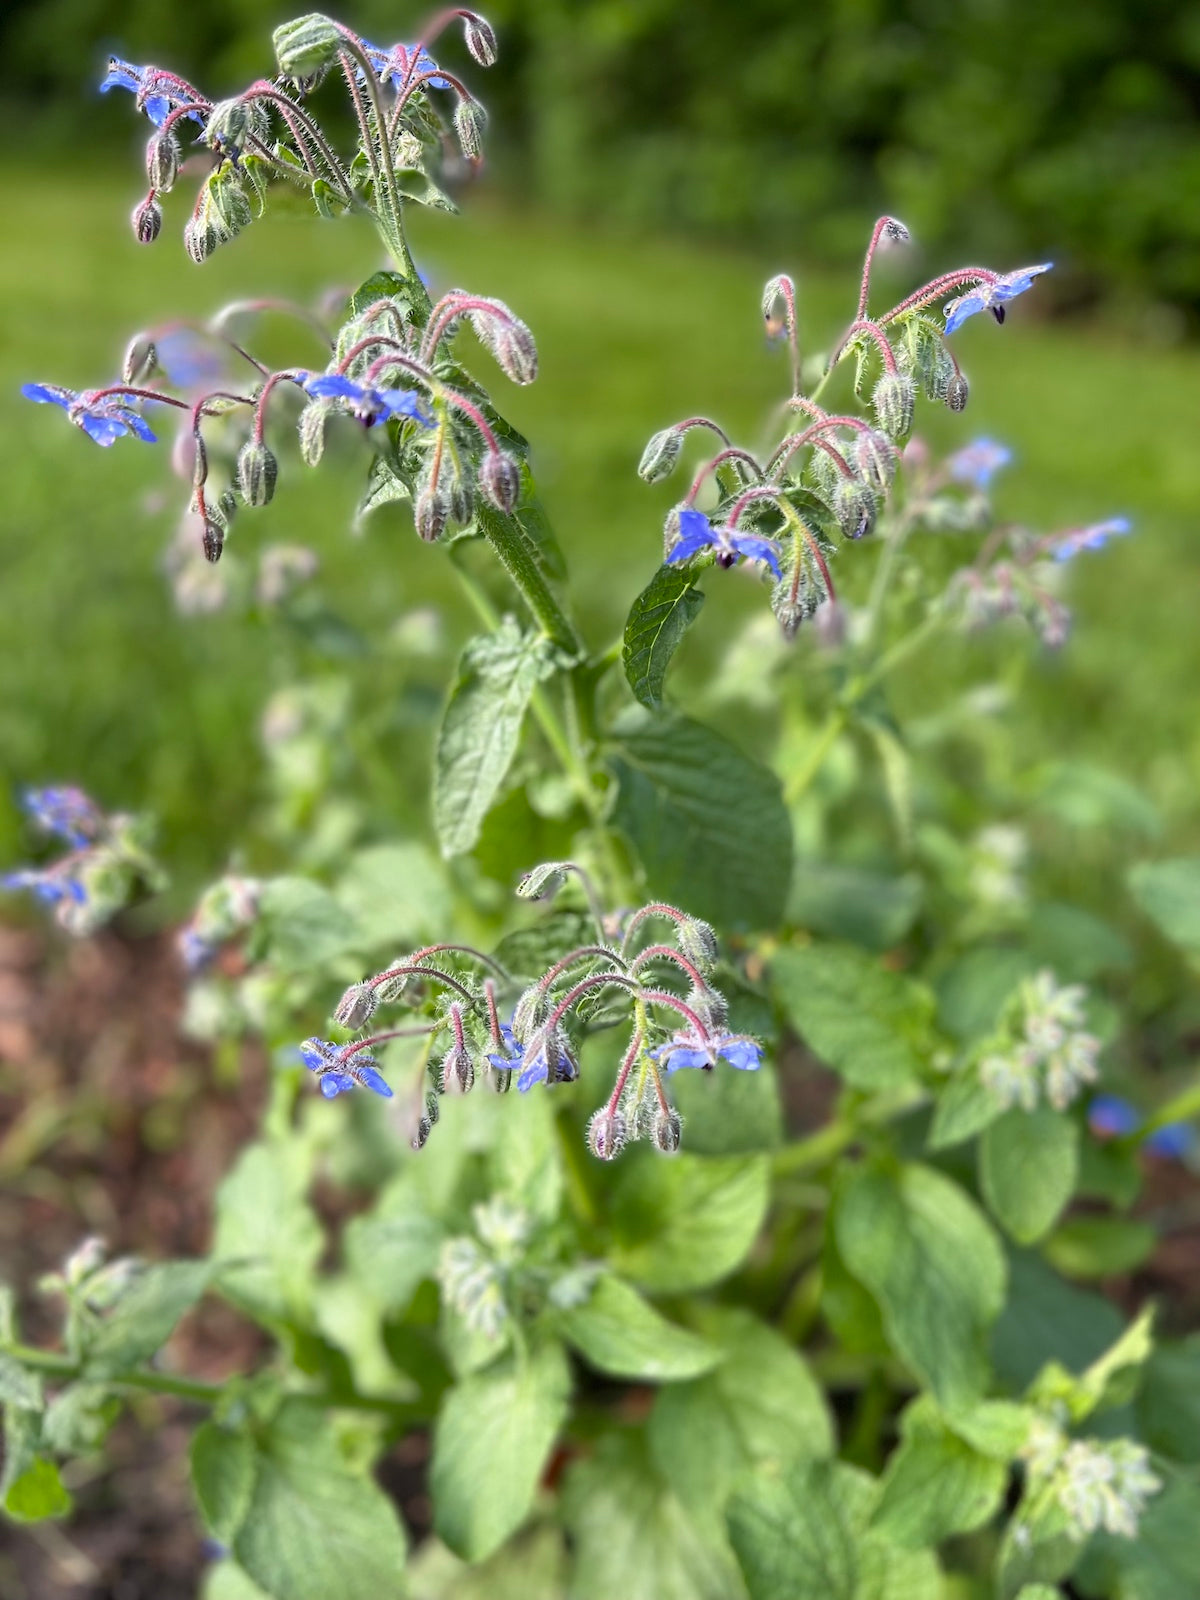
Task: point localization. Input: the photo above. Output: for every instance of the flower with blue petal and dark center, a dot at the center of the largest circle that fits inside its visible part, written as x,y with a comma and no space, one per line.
50,884
158,94
1111,1117
370,405
697,533
105,420
339,1071
688,1049
1094,537
395,65
978,463
991,296
65,811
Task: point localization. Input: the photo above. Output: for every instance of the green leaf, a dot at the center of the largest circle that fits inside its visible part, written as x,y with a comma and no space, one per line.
225,1580
1160,1564
1110,1380
633,1538
494,1434
1100,1247
1028,1164
870,1025
1077,945
481,728
658,620
1045,1319
525,1158
267,1233
145,1316
396,894
530,1567
803,1536
935,1485
1169,893
728,1113
304,926
842,902
384,486
37,1494
19,1386
896,764
688,1222
620,1333
396,1246
965,1107
1168,1402
309,1527
933,1263
760,1405
971,993
709,825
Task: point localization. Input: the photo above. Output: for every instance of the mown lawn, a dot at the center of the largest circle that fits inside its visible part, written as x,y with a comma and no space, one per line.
104,684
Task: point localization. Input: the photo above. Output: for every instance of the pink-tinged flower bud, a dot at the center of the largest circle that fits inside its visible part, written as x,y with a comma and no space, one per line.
500,480
894,401
462,501
356,1007
481,39
854,507
470,120
147,220
792,609
509,339
431,514
607,1133
257,470
141,359
661,455
199,239
199,460
213,540
957,391
162,160
457,1071
875,458
667,1131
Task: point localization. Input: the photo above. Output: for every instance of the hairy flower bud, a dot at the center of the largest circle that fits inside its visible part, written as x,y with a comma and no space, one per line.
470,120
433,1107
199,459
312,431
661,455
509,339
957,391
698,942
854,507
420,1137
457,1072
257,470
228,124
875,458
162,160
356,1007
141,359
480,38
306,46
462,501
667,1131
530,1011
607,1133
894,400
147,220
792,609
213,540
431,513
561,1065
199,238
500,480
710,1005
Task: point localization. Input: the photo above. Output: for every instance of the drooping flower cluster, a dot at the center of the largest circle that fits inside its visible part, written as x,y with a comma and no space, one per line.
1041,1048
107,865
390,366
1099,1484
829,476
664,990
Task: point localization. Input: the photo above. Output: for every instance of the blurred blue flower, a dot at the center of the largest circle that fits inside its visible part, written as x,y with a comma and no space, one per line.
159,98
688,1049
50,884
339,1072
63,810
105,421
1094,537
978,463
369,405
394,65
1111,1117
697,533
991,296
513,1050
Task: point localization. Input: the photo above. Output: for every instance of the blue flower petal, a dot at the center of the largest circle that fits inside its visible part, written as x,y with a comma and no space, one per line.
334,386
370,1079
335,1083
121,75
744,1054
754,548
1172,1142
316,1054
1109,1116
139,426
678,1058
696,533
535,1072
104,427
403,403
967,305
49,394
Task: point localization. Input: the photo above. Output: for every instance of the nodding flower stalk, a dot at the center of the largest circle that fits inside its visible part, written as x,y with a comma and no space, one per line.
828,478
484,1026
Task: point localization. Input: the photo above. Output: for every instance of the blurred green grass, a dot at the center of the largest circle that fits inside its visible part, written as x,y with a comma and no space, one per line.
105,685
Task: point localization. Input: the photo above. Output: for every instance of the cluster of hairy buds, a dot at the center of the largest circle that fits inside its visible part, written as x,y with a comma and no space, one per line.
106,866
1041,1048
484,1025
476,1273
1098,1483
226,909
829,477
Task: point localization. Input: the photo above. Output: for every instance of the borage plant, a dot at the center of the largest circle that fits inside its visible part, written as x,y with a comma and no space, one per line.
828,1350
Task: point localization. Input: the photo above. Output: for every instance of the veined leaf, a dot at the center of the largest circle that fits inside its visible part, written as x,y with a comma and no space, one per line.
657,622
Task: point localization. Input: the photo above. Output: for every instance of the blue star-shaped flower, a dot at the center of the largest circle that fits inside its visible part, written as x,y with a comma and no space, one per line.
105,421
1094,537
368,404
159,98
688,1049
393,65
991,296
65,811
338,1072
978,463
511,1051
50,885
697,533
1110,1117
